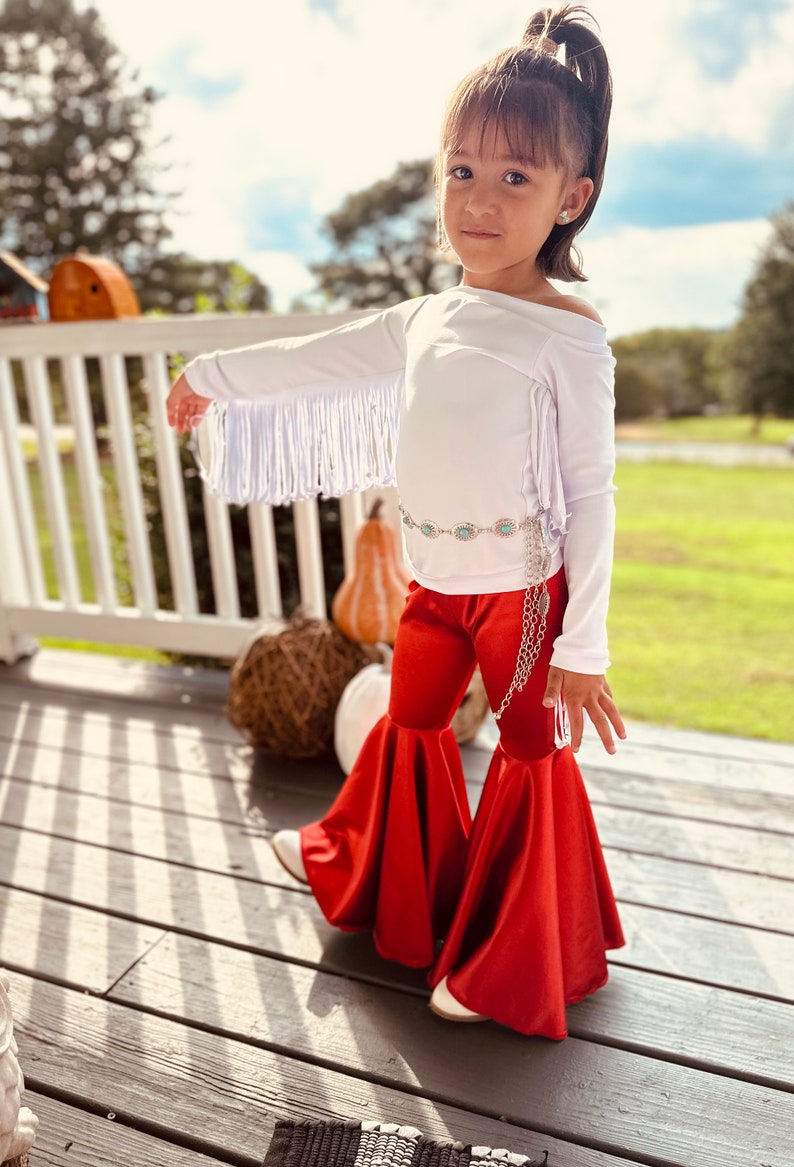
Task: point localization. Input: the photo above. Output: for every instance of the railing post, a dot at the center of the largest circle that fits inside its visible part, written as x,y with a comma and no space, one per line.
13,581
308,547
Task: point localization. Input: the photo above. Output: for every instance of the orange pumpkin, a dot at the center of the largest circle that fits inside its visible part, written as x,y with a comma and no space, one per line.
369,602
89,287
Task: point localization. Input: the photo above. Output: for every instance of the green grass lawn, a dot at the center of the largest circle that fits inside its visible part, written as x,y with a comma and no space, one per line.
702,613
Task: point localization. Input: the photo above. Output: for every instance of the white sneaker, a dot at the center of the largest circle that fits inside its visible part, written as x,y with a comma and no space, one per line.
445,1005
287,847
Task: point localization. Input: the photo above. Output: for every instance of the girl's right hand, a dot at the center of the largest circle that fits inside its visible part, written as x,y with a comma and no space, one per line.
185,408
585,693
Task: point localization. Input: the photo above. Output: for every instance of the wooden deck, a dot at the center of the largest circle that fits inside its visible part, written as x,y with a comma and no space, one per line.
175,993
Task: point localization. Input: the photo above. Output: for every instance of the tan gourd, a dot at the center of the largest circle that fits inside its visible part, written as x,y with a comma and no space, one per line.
369,602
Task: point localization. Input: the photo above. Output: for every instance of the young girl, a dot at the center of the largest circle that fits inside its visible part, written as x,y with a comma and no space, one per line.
491,406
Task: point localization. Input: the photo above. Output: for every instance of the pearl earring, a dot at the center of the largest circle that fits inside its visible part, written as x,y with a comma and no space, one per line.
564,217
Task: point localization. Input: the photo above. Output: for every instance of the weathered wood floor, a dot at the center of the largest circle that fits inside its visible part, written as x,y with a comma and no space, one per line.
175,993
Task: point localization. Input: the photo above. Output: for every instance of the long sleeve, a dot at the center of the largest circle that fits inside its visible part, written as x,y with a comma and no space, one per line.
581,378
301,416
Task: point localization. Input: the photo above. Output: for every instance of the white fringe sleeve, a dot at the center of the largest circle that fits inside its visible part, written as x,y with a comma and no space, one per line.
302,416
280,449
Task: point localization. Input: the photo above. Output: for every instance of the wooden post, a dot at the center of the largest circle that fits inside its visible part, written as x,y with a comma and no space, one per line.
13,581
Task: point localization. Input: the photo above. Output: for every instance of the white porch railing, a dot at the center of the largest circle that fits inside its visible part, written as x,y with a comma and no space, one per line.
37,354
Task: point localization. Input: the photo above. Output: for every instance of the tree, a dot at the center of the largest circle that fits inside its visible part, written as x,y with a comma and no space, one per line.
385,242
665,371
177,283
759,352
73,135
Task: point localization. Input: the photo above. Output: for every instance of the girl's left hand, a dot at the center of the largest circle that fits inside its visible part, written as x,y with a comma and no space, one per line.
184,408
585,691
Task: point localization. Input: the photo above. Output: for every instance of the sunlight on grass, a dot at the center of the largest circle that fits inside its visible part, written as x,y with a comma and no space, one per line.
129,651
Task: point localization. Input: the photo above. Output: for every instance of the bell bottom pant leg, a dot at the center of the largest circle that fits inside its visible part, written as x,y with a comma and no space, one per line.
390,853
536,911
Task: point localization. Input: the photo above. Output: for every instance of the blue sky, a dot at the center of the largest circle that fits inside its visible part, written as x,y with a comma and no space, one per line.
276,110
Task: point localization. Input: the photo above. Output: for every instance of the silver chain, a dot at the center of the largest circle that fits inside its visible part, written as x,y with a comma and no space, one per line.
537,560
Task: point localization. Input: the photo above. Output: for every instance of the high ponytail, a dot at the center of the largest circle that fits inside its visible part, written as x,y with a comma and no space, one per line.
552,97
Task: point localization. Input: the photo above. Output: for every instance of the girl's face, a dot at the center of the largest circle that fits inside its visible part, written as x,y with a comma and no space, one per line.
498,210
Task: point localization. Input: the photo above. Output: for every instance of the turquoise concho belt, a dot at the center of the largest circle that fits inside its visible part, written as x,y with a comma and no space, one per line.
537,562
463,532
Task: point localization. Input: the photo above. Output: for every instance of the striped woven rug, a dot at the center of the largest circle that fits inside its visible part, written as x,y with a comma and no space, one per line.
378,1144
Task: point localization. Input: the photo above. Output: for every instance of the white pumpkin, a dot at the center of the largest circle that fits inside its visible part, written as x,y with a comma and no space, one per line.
17,1123
364,701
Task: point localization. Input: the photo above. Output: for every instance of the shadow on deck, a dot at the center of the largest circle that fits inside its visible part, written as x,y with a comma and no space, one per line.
168,975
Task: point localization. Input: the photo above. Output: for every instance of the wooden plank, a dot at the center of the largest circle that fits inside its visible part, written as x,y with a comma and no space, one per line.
747,778
697,744
711,951
121,740
662,941
68,1135
727,773
217,844
694,1024
642,1105
726,845
136,809
659,752
735,897
189,1081
729,846
72,705
739,848
71,944
81,678
708,951
638,1010
33,753
100,677
195,749
717,844
64,671
696,800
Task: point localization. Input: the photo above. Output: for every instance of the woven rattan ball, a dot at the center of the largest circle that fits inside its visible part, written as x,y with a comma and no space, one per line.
285,687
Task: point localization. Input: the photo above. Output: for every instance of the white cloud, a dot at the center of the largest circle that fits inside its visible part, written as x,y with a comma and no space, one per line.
642,278
286,276
665,87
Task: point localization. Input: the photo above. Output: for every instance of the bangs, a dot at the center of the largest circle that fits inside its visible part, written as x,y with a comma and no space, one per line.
528,114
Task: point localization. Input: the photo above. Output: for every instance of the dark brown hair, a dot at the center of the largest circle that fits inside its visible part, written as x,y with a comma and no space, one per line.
552,111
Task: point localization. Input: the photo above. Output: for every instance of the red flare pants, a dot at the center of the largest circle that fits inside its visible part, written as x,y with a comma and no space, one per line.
516,908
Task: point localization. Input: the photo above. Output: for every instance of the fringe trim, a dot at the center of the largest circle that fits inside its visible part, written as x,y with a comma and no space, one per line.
319,441
545,460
